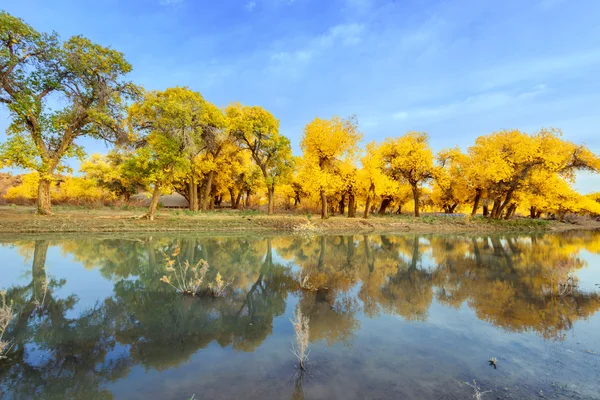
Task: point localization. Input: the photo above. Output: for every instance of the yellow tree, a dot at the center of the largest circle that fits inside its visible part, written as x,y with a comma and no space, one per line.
213,138
409,158
258,131
375,185
450,188
508,158
347,174
324,144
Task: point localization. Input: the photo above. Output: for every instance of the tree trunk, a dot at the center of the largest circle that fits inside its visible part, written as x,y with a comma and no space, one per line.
384,205
44,205
538,214
154,202
193,194
207,198
476,202
399,210
532,212
453,208
415,191
351,205
368,202
495,208
271,193
331,207
509,212
238,199
248,192
232,197
513,210
323,205
342,204
486,211
504,203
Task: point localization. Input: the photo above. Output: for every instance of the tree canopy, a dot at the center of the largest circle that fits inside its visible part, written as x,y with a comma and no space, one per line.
58,91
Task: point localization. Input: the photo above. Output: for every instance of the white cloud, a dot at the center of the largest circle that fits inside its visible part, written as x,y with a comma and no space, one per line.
400,115
344,35
250,5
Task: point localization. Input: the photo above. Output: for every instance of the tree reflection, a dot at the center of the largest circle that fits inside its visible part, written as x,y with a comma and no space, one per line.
513,282
52,353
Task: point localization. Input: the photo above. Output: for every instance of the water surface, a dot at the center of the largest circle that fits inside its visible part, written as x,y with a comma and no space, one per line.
410,316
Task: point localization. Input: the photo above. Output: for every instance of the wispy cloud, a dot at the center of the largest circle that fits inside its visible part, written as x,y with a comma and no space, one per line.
471,105
524,70
339,35
250,5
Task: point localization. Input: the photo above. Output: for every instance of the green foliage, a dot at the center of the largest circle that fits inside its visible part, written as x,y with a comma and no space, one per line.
84,78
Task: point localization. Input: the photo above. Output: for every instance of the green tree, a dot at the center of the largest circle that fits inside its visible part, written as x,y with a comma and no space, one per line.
107,172
171,124
258,131
57,92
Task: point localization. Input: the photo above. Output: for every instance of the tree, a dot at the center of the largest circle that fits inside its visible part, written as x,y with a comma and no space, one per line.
57,92
325,143
258,131
107,172
507,160
451,187
171,123
409,158
215,137
373,182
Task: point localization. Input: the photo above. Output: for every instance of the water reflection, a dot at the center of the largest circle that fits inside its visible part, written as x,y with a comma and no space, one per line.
60,349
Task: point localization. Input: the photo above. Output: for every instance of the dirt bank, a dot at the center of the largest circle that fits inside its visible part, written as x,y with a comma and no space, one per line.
23,220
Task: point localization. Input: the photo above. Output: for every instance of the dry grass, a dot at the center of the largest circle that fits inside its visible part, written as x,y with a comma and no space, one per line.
6,315
184,277
189,279
79,219
219,286
301,330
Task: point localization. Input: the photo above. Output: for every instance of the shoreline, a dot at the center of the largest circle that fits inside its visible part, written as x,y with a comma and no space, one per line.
22,221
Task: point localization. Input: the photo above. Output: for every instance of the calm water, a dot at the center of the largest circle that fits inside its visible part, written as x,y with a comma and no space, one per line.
391,317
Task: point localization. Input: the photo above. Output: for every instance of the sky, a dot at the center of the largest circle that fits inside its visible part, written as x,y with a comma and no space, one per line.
456,69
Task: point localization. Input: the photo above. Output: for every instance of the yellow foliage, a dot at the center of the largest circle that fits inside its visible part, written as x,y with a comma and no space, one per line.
27,190
75,190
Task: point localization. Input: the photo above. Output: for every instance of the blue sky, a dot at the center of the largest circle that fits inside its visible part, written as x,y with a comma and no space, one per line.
456,69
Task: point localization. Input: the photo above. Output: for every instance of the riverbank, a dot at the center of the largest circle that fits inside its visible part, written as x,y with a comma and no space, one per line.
23,220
